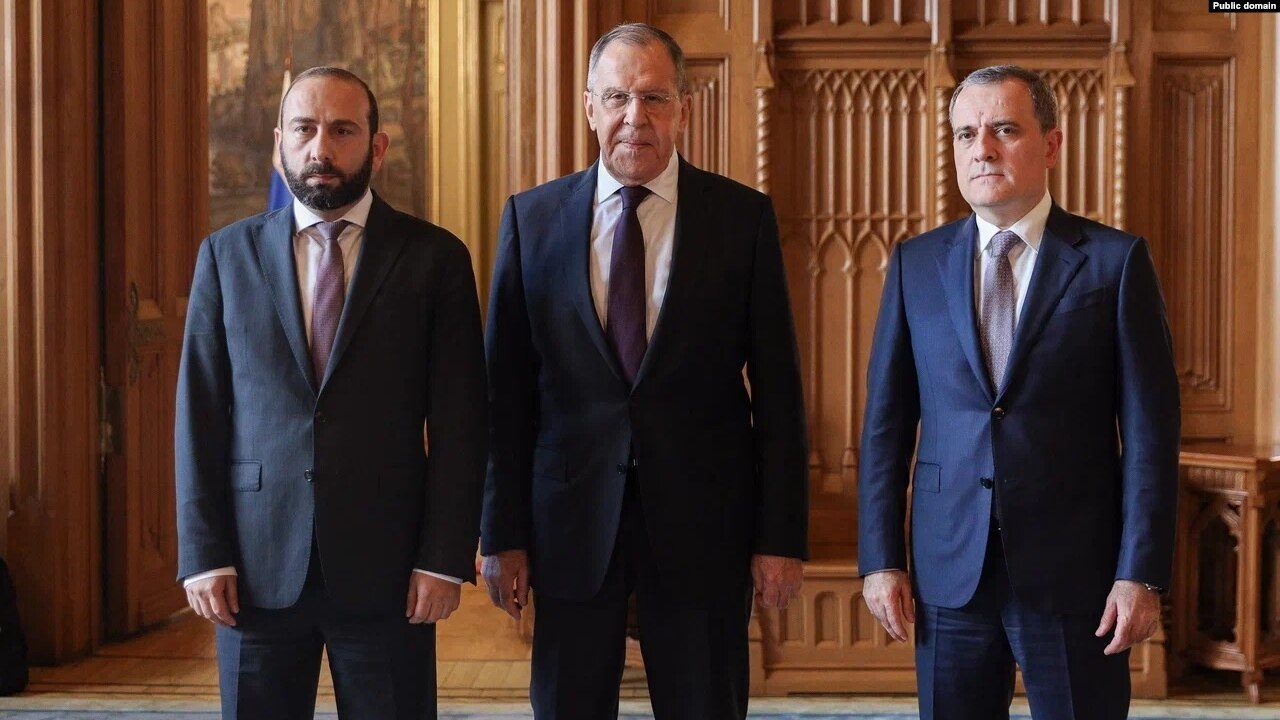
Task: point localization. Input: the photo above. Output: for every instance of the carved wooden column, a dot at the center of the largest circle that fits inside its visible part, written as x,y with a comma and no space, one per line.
1226,586
942,81
1121,84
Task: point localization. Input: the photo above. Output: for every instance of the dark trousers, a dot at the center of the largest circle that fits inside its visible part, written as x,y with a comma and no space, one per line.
965,657
269,664
695,653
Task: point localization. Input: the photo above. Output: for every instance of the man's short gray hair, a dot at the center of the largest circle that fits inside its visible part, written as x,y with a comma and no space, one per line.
640,34
1043,101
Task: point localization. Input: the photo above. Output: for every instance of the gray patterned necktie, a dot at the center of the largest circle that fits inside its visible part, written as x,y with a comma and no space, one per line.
328,296
998,300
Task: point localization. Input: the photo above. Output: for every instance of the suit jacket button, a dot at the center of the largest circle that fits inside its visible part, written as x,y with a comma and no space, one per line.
986,483
998,413
309,475
320,418
622,468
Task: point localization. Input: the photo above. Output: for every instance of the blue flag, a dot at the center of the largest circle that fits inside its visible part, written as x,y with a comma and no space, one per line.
278,195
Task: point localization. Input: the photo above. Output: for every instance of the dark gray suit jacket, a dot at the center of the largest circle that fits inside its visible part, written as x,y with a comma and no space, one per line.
269,456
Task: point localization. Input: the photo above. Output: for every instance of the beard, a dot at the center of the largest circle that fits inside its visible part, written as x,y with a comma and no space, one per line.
349,189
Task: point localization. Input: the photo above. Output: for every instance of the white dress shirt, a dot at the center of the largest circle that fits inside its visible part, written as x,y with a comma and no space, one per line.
1022,257
657,214
308,245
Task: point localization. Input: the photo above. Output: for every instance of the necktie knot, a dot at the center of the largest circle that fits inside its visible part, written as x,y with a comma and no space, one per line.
1002,242
632,195
331,230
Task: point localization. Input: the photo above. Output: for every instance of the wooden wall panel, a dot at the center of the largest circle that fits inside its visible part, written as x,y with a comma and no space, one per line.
718,39
1195,225
706,142
1195,134
1176,15
1029,18
852,18
828,641
718,8
853,154
50,335
155,104
711,17
1080,183
549,42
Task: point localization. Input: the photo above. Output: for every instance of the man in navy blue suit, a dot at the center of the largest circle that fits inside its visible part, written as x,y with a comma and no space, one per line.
1023,356
627,456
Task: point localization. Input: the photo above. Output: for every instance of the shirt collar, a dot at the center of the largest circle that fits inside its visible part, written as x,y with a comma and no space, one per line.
664,186
1030,227
304,217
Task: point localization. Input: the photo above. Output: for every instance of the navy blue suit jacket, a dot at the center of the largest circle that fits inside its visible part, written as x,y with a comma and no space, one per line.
268,455
722,472
1080,439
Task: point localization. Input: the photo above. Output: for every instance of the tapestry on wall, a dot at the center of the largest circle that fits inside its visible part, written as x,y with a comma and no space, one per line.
250,42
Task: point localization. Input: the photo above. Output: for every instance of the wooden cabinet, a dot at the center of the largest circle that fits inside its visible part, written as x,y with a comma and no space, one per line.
1226,589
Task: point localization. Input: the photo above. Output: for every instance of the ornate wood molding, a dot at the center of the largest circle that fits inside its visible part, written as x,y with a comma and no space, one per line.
764,85
1122,82
943,82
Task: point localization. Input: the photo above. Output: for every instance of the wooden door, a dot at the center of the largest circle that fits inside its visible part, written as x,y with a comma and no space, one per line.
155,212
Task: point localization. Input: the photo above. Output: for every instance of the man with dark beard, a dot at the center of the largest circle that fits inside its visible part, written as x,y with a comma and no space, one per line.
319,339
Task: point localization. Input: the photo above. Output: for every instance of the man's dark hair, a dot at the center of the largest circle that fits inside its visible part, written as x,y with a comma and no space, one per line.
641,34
337,72
1043,101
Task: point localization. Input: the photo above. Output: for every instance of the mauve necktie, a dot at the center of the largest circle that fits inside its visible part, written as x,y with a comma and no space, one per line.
998,300
330,292
625,322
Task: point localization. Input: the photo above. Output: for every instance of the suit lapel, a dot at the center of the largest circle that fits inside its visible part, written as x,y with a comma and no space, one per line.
382,242
691,222
955,264
1057,263
273,245
575,219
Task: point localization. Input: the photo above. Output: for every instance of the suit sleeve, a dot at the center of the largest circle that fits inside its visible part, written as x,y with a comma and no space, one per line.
888,432
777,404
513,377
202,427
1150,424
456,417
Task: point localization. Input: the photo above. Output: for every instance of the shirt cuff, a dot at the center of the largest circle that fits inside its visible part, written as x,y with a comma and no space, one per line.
450,578
883,570
228,570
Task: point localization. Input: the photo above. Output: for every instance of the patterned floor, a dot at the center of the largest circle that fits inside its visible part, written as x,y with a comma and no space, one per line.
762,709
483,672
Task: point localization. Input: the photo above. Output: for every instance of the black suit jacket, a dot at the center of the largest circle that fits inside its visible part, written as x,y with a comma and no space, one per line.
1077,444
722,471
269,456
